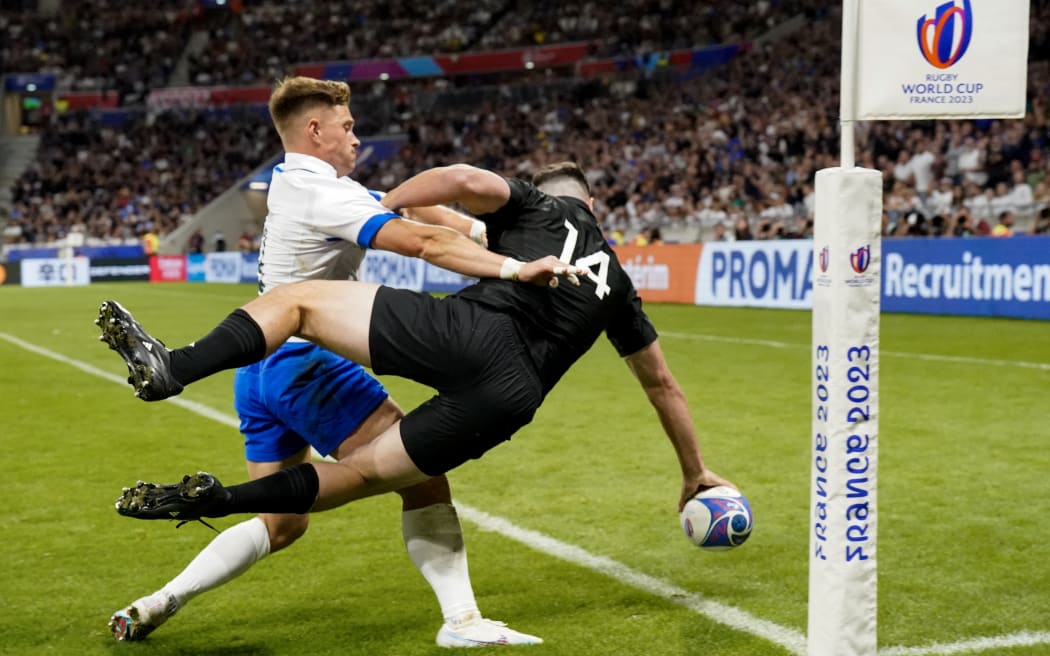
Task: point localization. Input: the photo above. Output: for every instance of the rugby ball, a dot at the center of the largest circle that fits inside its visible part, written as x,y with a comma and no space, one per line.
717,519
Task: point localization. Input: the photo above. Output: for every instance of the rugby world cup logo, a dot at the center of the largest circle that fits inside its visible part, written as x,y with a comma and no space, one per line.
860,259
824,259
943,39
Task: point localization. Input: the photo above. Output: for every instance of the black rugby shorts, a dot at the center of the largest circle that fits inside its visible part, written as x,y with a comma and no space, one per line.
475,359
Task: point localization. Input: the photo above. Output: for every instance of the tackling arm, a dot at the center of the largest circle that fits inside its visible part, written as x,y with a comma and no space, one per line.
478,190
440,246
439,215
451,250
650,368
481,192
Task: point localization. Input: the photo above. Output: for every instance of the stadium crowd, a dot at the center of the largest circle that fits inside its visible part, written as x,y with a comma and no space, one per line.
112,46
727,149
261,41
115,183
104,45
724,154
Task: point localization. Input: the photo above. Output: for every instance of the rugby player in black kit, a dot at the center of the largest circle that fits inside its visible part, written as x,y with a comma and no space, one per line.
493,351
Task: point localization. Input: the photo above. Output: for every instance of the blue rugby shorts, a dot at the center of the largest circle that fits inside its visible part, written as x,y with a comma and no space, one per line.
302,395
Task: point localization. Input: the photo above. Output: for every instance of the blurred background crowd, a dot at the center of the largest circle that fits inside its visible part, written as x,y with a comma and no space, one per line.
673,153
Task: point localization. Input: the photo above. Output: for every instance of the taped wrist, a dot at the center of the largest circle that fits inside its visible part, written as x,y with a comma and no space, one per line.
477,232
510,269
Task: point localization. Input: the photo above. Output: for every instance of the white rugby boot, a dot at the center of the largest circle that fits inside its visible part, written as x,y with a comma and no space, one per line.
474,630
143,616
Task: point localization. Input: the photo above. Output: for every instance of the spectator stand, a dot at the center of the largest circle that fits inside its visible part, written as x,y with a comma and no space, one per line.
666,145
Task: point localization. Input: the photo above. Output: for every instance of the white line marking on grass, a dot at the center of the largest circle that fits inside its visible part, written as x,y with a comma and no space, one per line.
962,359
1022,639
730,340
192,406
790,639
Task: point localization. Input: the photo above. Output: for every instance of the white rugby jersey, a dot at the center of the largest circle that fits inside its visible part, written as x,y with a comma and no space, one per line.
318,224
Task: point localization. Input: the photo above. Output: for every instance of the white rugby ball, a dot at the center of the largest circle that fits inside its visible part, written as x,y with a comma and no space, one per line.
717,519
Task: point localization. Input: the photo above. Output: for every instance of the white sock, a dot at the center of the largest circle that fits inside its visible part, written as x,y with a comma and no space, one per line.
228,556
434,540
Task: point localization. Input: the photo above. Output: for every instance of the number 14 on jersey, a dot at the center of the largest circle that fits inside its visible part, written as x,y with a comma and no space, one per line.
600,258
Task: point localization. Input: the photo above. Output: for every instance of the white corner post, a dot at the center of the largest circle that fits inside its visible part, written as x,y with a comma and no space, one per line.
901,60
847,249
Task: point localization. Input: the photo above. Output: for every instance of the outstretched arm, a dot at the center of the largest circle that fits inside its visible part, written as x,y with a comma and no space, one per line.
650,368
478,190
439,215
451,250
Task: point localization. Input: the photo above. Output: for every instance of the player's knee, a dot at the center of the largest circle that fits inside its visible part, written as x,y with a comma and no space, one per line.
285,529
431,491
301,295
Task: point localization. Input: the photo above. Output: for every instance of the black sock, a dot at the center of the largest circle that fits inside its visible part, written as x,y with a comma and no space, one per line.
291,490
236,342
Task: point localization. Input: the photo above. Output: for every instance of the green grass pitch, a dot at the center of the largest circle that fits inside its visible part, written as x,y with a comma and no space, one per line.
964,543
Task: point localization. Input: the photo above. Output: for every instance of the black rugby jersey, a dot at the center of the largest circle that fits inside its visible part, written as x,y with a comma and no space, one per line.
560,324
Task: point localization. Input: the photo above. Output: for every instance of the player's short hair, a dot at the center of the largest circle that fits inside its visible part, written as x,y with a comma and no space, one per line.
293,95
553,176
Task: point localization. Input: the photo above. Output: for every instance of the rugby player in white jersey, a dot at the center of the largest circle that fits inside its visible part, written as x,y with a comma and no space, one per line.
303,396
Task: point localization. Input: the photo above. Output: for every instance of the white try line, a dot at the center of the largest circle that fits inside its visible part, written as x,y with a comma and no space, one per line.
192,406
791,640
962,359
1022,639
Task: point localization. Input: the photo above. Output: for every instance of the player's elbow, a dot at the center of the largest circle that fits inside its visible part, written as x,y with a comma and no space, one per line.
465,183
478,190
435,243
649,368
661,383
415,239
655,376
464,179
